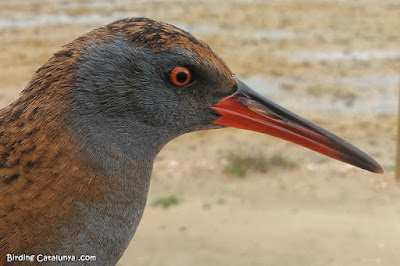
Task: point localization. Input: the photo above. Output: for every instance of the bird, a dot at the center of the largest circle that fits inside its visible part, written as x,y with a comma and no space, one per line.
78,145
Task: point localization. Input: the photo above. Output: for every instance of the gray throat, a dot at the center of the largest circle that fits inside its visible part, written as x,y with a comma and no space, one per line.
122,153
112,222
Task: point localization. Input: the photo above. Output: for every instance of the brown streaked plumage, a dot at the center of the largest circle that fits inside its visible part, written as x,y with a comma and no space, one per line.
77,147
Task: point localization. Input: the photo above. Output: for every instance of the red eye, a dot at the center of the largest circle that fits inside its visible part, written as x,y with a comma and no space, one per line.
180,76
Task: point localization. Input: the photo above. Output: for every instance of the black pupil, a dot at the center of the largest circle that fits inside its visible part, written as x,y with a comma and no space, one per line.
182,77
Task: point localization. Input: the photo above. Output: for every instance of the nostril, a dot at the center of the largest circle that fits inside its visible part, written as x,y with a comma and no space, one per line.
256,108
262,112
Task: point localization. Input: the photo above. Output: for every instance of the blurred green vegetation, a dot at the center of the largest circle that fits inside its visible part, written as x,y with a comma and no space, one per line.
166,202
239,164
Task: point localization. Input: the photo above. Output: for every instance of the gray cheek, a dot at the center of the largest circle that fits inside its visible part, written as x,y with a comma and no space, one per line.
168,110
155,107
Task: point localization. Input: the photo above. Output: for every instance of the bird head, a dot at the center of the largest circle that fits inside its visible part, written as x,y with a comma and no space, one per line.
139,73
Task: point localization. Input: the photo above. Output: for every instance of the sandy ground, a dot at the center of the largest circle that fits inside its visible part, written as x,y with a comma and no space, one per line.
334,62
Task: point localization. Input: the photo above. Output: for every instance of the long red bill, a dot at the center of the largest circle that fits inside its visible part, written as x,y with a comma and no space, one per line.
246,109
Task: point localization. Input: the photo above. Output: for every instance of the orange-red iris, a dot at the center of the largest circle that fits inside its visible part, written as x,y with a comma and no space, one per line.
180,76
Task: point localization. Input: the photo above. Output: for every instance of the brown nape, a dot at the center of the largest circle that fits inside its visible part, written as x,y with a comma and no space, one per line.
32,190
36,154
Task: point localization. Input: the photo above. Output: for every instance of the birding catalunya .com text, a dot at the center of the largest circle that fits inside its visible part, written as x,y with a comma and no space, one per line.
48,258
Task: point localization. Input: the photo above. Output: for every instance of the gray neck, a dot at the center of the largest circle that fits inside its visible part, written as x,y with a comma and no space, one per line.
122,156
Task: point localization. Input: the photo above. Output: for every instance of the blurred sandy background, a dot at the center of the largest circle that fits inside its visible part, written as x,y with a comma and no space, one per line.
232,197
